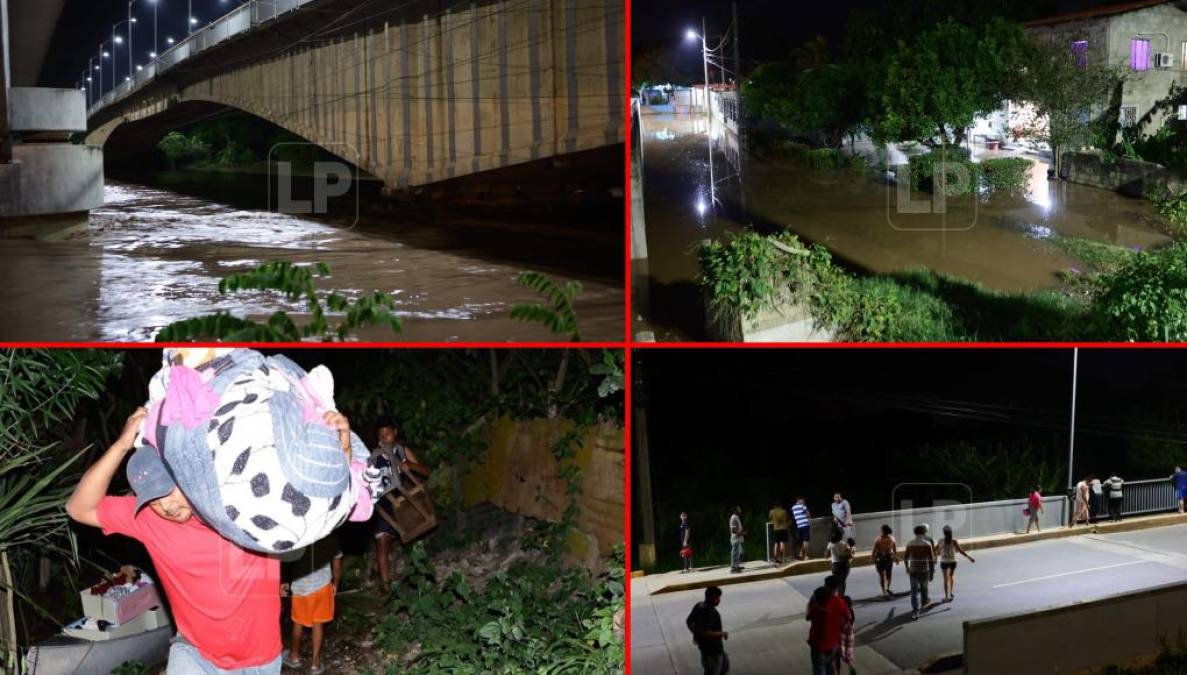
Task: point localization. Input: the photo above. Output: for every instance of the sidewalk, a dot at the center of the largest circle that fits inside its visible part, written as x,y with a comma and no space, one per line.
661,643
668,582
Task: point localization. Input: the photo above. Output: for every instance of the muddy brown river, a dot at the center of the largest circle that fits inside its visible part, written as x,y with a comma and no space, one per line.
1002,242
154,255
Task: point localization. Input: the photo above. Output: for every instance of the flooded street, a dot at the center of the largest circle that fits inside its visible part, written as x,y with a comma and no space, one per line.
1003,242
151,256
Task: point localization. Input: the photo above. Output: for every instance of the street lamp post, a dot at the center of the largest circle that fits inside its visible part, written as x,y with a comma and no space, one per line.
1071,441
117,40
104,55
155,46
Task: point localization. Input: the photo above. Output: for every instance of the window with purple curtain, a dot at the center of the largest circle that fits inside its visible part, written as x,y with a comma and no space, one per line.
1080,52
1139,54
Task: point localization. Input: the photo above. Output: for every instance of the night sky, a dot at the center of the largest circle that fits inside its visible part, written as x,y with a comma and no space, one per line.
770,29
753,426
86,23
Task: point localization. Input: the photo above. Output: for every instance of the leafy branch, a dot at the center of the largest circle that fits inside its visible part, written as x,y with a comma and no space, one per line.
296,283
557,312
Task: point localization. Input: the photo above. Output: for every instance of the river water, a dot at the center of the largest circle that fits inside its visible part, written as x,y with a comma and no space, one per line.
1005,243
154,255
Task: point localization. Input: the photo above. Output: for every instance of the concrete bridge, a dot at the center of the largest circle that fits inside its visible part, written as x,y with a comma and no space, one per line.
412,92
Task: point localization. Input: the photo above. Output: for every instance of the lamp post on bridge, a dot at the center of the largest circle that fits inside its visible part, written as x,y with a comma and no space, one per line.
103,55
117,40
155,46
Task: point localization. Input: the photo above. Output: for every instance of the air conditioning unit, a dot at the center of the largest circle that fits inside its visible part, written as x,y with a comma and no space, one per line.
1183,112
1163,60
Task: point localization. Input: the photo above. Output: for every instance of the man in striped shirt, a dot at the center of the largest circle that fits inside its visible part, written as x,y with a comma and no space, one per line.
803,527
921,564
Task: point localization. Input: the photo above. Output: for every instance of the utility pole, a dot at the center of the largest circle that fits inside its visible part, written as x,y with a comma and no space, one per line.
705,62
5,83
738,82
641,463
1071,441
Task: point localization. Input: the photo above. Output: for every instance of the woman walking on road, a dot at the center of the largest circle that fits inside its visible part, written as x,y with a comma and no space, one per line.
841,553
1034,506
946,550
885,555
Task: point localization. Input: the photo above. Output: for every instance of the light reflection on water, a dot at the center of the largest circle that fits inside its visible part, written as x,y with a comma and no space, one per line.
153,256
1007,247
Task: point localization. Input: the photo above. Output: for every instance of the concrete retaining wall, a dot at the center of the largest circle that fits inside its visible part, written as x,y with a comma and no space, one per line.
1130,177
1075,637
520,474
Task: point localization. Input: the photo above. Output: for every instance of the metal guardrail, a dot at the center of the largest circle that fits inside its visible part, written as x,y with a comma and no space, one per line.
235,22
1145,496
1138,497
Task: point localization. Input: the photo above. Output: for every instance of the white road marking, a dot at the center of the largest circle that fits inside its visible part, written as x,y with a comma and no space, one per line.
1068,574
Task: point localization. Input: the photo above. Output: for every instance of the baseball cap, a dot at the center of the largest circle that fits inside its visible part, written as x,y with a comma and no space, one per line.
148,477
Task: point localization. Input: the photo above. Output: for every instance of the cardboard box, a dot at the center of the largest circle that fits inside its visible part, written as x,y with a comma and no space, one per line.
123,610
150,620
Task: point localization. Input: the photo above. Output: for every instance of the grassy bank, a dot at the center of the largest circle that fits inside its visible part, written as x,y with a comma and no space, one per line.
1120,295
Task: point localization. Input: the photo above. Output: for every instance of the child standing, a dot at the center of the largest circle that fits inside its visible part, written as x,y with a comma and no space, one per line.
315,582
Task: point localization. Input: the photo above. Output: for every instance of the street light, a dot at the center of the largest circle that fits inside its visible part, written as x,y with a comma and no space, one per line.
168,40
115,38
155,4
692,35
103,55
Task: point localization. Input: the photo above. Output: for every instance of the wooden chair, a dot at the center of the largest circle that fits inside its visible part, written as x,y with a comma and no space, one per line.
412,513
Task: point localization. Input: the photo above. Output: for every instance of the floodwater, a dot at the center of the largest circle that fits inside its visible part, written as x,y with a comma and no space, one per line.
154,255
1003,242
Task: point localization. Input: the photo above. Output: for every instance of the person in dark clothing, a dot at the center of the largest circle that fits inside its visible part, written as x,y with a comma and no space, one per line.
705,624
685,531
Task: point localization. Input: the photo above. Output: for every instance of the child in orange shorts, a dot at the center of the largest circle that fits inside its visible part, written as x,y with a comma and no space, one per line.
314,584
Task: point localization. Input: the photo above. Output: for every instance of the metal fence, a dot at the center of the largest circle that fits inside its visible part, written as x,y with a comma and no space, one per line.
235,22
1147,496
980,519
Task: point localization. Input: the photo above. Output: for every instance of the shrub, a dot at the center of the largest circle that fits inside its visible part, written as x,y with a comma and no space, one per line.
1005,174
746,274
1172,206
923,169
182,150
879,309
1145,299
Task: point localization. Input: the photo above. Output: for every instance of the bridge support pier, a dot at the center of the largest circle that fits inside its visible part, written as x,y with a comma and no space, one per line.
50,184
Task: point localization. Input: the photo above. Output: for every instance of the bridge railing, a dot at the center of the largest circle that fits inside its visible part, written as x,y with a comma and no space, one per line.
239,20
1146,496
978,519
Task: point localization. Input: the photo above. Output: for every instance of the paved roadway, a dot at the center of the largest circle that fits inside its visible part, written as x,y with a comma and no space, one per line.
767,629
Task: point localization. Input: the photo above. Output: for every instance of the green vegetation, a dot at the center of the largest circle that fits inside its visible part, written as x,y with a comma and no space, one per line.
1005,174
233,141
961,176
298,283
1123,295
538,618
39,465
1145,299
558,314
295,283
1172,206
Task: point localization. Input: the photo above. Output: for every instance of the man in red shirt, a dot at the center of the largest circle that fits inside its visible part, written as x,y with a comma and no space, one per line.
225,600
826,611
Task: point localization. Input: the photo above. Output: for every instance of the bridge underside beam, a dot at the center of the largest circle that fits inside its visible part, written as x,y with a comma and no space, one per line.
435,91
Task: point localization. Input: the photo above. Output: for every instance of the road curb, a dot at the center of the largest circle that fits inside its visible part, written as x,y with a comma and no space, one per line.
974,544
